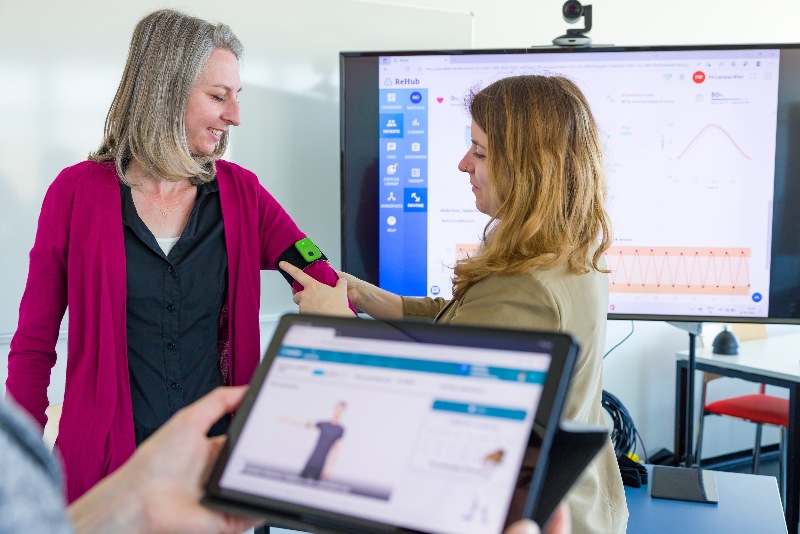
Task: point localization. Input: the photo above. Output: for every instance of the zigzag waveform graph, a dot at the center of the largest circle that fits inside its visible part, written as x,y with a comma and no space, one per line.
679,270
465,249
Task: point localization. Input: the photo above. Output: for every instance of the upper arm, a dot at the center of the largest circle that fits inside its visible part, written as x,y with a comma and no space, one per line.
279,232
277,229
515,301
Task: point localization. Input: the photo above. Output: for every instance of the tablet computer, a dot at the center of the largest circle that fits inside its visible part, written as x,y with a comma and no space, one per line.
357,425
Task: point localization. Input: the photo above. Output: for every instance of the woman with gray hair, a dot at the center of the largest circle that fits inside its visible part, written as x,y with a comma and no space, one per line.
155,245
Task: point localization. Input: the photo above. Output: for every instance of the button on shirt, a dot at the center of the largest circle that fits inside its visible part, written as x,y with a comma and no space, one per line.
173,309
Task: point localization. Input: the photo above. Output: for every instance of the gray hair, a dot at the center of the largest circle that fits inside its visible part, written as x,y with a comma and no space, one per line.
146,119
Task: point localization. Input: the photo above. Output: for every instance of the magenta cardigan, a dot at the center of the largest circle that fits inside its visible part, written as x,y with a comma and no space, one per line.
78,262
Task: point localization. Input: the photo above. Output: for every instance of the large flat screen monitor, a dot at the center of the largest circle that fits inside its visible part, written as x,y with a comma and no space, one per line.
702,151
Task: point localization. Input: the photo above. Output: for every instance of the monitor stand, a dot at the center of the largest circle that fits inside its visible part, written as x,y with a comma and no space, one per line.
688,482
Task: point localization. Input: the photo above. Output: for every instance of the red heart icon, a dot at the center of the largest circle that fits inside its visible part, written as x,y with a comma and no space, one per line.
439,99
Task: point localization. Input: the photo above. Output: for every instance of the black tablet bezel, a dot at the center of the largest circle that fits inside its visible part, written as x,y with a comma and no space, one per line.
296,516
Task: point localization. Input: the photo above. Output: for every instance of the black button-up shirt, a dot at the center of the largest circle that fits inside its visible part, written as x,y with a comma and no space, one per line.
173,309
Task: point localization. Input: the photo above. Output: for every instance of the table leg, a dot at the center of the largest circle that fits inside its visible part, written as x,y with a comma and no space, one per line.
793,461
681,378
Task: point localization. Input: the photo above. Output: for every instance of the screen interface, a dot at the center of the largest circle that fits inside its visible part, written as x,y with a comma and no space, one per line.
690,149
412,434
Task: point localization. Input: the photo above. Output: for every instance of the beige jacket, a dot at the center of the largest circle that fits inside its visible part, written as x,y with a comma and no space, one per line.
554,299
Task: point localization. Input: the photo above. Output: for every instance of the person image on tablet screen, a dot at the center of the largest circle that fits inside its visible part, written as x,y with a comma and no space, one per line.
326,450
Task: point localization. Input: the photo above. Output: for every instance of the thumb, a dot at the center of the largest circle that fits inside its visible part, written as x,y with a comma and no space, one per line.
523,526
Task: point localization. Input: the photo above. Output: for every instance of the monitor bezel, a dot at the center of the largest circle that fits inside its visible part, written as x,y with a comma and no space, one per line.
347,225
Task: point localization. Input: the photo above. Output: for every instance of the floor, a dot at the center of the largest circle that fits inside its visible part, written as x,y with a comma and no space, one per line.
768,466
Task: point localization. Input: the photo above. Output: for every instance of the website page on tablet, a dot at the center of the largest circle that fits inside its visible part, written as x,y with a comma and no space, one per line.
423,436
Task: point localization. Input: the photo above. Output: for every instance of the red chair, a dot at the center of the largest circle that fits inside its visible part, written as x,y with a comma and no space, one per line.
758,408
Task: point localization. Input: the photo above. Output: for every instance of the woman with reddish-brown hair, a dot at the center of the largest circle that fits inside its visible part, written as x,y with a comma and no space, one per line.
536,168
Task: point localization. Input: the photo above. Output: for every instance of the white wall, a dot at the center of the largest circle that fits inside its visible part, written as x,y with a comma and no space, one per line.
59,62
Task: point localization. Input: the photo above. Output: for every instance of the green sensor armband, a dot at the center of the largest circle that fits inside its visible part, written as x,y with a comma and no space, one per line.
308,250
301,254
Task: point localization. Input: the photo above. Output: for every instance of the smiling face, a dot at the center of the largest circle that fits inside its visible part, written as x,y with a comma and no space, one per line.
213,104
474,164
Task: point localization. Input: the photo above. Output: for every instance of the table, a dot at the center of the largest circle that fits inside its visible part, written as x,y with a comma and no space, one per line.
747,503
773,360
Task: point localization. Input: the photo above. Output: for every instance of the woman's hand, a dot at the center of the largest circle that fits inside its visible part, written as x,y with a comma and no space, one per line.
355,288
559,523
374,301
160,487
317,297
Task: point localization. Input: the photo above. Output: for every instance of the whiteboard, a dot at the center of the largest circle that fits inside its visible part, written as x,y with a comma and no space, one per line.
60,63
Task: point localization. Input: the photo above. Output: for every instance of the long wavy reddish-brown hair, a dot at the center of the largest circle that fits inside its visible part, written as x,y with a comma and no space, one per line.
545,167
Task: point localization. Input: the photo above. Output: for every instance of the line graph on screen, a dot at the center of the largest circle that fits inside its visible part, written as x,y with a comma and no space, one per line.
710,131
679,270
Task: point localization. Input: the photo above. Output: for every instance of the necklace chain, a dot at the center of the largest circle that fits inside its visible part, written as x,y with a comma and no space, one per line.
164,211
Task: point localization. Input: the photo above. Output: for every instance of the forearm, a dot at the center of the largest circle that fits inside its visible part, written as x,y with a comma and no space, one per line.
27,382
379,303
111,506
32,353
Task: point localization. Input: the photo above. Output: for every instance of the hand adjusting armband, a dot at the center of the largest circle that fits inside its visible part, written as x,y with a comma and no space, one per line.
302,254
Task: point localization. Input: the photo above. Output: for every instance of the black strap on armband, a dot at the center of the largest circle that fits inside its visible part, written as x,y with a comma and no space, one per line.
301,254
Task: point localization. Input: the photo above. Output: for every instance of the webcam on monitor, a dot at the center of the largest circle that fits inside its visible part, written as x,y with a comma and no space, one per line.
572,11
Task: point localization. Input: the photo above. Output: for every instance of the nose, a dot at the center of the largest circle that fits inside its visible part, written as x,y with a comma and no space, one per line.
465,165
232,114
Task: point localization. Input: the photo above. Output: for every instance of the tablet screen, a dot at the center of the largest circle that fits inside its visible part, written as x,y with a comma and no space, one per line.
423,436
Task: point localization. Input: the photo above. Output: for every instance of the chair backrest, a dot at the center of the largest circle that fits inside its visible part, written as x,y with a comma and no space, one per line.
747,331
